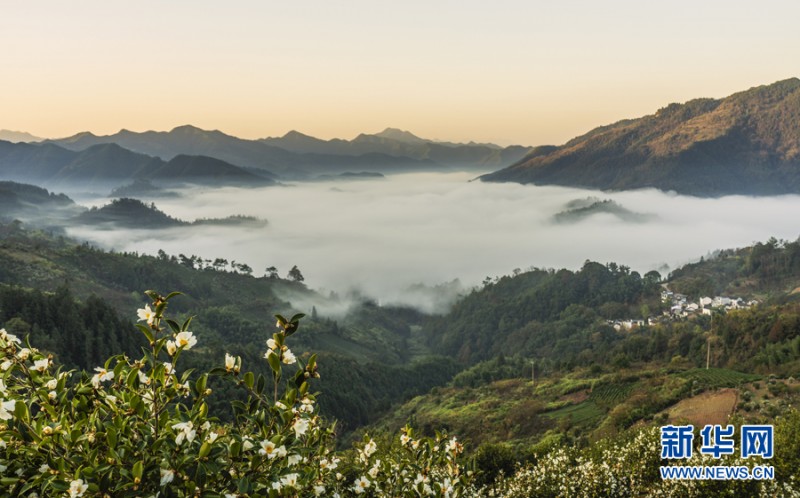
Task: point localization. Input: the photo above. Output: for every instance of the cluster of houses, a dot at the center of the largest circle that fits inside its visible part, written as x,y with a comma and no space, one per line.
681,307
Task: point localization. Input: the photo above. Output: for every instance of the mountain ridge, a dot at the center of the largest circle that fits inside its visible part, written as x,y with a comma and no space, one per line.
747,143
110,163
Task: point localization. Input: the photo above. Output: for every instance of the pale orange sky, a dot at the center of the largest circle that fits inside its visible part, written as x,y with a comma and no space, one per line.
528,72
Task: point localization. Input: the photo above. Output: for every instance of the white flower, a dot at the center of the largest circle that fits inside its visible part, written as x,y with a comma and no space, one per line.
289,480
51,384
211,437
267,448
77,488
143,379
186,431
294,460
44,468
41,365
300,426
230,362
2,387
9,338
370,448
272,344
280,405
329,464
51,395
185,340
168,368
172,348
453,446
5,365
319,490
247,444
167,475
24,353
373,472
288,357
102,375
404,439
361,485
146,314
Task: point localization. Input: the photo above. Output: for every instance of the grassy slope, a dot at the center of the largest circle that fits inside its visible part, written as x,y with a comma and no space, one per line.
578,404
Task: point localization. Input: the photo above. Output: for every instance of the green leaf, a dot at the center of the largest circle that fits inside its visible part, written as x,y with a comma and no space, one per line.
312,362
152,294
297,317
249,378
172,294
260,384
204,410
21,411
146,331
201,384
235,449
244,485
274,363
173,325
137,469
131,378
111,436
205,449
186,324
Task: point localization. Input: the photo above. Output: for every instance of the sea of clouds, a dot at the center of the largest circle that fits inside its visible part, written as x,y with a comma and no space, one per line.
383,236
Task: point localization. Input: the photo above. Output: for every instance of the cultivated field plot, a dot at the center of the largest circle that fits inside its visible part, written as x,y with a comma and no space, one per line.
706,408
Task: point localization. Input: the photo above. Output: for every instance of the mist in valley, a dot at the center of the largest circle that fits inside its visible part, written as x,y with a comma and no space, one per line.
421,239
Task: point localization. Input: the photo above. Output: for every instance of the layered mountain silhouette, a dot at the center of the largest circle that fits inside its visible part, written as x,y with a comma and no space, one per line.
399,143
748,143
28,202
18,136
299,156
111,164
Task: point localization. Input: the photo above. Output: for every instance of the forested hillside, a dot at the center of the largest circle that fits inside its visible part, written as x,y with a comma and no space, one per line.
553,314
58,290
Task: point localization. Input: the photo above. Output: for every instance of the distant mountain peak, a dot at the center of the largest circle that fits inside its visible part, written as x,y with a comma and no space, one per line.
84,134
187,128
294,134
18,136
400,135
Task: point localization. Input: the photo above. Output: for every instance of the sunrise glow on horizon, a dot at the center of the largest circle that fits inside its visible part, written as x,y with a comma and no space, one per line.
513,72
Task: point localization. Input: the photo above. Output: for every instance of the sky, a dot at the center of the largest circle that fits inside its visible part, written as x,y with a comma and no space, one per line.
515,71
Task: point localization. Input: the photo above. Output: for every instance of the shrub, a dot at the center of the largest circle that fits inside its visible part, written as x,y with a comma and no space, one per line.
141,427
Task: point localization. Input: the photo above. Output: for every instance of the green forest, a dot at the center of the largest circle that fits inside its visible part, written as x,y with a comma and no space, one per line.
520,369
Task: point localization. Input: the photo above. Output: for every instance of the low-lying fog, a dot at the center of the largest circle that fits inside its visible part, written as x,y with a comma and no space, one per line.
382,236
